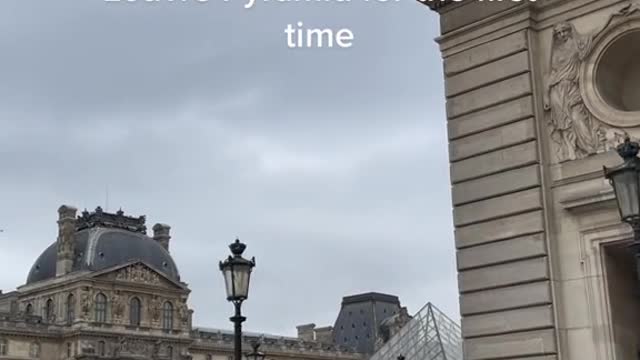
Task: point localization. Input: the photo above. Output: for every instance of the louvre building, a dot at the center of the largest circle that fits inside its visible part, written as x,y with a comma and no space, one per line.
107,290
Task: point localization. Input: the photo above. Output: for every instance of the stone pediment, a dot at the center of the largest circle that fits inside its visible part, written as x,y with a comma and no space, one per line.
138,273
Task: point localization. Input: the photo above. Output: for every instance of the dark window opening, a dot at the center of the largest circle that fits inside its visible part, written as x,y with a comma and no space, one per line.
101,308
135,311
167,316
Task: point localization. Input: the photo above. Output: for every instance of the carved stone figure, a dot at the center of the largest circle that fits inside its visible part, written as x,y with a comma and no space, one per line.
155,309
86,303
183,313
575,131
117,304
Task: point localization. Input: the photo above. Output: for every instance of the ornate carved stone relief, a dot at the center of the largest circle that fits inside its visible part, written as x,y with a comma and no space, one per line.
155,309
117,306
575,130
138,273
86,303
184,314
128,346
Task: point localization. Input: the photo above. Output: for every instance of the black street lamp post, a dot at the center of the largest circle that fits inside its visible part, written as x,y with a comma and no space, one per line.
625,180
237,271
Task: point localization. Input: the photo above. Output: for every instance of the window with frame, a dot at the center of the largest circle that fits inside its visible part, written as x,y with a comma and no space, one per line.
29,309
71,309
101,308
135,311
167,316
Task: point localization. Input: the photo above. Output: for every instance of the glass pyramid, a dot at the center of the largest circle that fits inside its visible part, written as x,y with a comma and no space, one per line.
430,335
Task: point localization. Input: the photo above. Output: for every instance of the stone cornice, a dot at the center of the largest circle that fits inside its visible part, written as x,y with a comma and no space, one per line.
588,202
22,328
89,278
217,343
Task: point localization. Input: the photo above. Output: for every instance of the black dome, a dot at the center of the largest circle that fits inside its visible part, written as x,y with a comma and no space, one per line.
100,248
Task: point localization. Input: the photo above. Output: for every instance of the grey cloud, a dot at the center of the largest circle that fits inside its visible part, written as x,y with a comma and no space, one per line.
330,164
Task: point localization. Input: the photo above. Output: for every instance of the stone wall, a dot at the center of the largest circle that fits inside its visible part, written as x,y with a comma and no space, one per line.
533,215
504,281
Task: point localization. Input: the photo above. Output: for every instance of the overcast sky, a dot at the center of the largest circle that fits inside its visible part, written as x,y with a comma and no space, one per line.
330,164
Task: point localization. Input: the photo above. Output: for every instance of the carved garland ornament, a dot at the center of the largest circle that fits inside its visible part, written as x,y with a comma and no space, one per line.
576,132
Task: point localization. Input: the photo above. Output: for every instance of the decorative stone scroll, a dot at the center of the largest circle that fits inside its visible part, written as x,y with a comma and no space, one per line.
138,273
576,132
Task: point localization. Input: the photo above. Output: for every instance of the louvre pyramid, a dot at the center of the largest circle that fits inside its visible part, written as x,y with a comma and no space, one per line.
430,335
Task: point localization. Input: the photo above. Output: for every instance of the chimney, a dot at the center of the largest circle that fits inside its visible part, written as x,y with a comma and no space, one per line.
65,242
161,235
324,335
305,332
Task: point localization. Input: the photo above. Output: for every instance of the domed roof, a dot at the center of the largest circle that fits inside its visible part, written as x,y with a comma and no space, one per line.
99,245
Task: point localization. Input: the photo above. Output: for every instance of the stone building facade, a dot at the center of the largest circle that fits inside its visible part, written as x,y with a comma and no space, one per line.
106,290
538,94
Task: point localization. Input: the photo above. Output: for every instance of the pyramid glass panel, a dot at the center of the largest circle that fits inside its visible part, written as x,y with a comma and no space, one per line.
430,335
